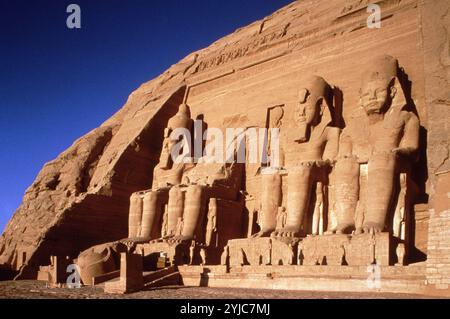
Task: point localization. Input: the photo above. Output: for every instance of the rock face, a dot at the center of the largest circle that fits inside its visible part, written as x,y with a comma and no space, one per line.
248,79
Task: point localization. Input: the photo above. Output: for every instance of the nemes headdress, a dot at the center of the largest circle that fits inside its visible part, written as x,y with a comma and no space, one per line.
382,68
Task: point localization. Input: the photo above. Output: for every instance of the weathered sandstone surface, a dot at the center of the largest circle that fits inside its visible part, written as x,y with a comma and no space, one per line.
81,198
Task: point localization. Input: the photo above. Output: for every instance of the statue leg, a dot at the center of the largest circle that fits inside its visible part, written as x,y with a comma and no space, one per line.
380,184
149,212
175,209
192,212
270,201
317,224
299,192
346,192
399,215
362,198
135,215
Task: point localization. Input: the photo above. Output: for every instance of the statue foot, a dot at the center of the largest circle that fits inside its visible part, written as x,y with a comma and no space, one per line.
333,231
344,229
263,233
358,231
285,232
129,241
135,240
372,228
179,239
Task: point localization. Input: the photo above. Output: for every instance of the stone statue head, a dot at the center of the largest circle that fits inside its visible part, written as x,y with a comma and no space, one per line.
184,110
276,115
378,85
180,120
314,100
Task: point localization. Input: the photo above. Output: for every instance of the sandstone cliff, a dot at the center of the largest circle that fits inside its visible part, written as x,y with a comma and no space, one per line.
81,198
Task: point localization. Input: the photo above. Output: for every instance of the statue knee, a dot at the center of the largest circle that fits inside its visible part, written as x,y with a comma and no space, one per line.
175,193
151,196
134,195
194,192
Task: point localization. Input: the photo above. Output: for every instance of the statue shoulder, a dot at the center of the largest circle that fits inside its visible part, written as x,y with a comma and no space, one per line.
408,116
333,131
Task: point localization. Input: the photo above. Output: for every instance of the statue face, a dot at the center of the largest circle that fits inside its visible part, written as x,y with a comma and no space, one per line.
275,117
307,110
374,96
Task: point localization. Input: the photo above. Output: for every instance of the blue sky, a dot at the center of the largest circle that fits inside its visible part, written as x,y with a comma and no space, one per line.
56,84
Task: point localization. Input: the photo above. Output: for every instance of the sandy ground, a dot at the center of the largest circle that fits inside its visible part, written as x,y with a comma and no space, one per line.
36,289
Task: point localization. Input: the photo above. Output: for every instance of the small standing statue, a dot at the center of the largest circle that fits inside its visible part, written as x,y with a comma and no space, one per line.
400,251
164,228
300,255
241,257
281,217
373,244
180,226
399,224
317,226
202,256
211,227
225,256
290,259
191,253
269,254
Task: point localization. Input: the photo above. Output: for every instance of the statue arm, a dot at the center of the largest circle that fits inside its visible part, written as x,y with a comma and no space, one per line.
345,145
155,181
225,175
332,144
410,141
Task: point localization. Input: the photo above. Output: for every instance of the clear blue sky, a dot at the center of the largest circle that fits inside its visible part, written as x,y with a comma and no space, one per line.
57,84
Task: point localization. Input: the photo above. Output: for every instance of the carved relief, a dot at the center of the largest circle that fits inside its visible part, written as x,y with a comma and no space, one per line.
253,46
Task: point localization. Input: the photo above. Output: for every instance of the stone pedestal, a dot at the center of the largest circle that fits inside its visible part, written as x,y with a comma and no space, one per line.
131,278
353,250
262,251
284,251
333,250
323,250
250,251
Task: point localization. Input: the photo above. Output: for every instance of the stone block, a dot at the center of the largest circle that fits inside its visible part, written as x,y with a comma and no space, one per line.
131,277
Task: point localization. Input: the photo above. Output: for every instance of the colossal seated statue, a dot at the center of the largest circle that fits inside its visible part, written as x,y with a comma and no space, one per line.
203,184
271,180
146,206
308,151
381,136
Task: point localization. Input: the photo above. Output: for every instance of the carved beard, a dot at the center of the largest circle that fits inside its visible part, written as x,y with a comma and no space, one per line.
303,128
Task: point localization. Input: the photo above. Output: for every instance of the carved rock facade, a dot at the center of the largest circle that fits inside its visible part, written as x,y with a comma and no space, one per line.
362,176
